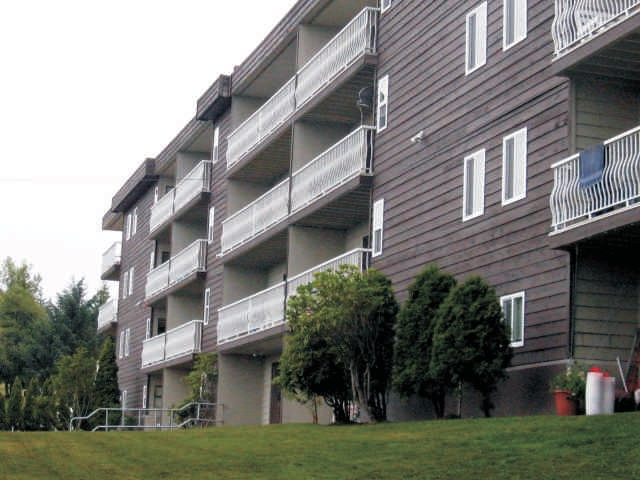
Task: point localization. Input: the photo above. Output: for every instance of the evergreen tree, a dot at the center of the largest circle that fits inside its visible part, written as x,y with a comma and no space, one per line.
106,391
31,412
14,406
414,337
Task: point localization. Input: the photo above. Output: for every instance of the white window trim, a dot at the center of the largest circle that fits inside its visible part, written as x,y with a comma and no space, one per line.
144,396
511,297
123,399
207,306
130,290
520,22
478,161
127,339
127,226
125,284
520,166
479,39
377,225
147,334
215,153
385,5
134,223
382,103
211,224
121,345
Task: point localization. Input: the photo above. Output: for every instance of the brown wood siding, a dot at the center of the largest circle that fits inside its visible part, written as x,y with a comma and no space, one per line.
132,313
422,184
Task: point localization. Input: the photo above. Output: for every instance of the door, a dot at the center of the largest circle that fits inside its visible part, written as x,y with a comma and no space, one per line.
275,404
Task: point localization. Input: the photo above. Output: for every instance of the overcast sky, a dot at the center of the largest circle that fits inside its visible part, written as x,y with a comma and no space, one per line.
88,90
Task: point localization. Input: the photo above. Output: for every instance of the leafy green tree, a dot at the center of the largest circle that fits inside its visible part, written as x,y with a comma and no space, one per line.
15,420
74,385
24,328
471,341
350,316
31,412
106,391
203,378
414,338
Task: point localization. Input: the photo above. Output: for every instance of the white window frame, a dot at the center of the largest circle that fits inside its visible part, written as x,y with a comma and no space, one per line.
514,166
152,255
382,109
125,284
508,307
476,41
377,229
123,399
127,226
134,222
127,339
121,345
211,224
144,396
473,185
385,5
207,306
130,290
514,17
215,151
147,333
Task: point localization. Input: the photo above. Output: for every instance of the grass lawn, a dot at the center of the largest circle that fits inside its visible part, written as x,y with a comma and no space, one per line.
541,447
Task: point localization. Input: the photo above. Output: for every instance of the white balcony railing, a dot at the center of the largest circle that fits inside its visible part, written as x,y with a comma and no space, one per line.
618,186
191,260
185,339
108,314
576,21
345,160
356,39
111,258
194,183
256,217
258,312
358,258
277,110
266,309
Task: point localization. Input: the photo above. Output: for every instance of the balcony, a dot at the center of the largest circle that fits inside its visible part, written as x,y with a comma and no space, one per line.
345,160
179,269
108,315
575,202
354,41
578,22
178,200
111,262
266,309
175,343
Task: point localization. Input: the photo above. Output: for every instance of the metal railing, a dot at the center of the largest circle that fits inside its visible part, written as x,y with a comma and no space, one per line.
277,110
191,260
197,181
256,217
193,414
162,210
111,257
618,186
185,339
356,39
345,160
252,314
358,257
577,21
266,309
108,314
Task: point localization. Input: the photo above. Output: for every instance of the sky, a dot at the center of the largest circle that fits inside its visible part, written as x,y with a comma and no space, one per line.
88,90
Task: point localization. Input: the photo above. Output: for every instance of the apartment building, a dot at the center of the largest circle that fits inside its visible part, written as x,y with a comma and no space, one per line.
495,138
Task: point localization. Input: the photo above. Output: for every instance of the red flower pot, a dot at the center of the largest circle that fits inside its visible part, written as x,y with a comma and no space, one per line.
565,403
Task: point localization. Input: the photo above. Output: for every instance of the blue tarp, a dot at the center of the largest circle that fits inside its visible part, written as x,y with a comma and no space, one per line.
591,165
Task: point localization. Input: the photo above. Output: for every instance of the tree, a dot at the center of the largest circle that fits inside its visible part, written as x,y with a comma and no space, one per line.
106,391
203,378
471,341
3,415
414,338
31,413
348,317
74,385
14,406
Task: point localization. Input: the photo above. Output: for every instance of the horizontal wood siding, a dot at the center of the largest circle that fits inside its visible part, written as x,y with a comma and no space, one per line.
132,313
422,184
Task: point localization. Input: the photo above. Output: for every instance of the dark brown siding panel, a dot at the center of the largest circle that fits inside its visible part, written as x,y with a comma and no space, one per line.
422,184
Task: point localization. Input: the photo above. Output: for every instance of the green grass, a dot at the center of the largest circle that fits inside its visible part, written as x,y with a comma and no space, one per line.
543,447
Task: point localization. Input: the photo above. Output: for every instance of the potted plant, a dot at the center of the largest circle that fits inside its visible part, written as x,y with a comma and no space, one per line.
568,389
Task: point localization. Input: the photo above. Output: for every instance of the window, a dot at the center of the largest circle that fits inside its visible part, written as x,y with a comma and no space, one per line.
207,305
134,222
121,345
152,256
123,400
383,103
513,308
125,284
514,22
384,5
144,396
514,166
216,144
212,215
156,194
476,39
127,226
473,189
147,334
127,337
130,291
378,220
